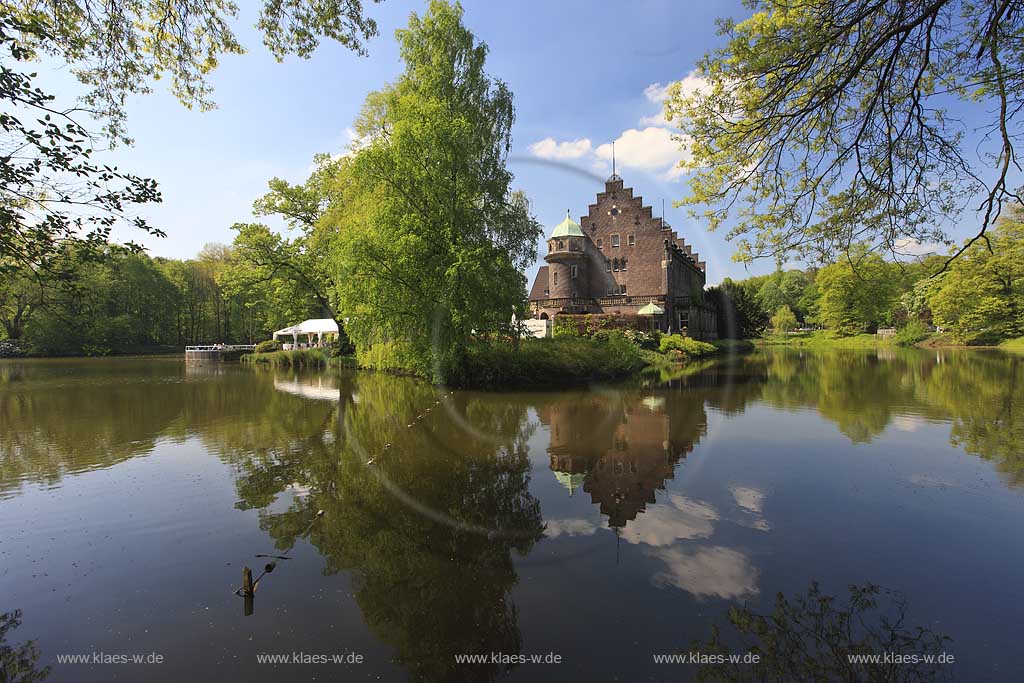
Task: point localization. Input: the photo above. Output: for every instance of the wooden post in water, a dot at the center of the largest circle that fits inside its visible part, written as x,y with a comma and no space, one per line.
247,591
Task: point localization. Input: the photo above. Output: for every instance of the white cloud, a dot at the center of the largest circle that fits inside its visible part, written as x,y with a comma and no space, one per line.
549,148
679,518
657,93
569,527
713,571
908,246
651,149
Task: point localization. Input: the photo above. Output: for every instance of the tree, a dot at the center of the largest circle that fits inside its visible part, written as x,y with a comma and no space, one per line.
740,314
857,293
118,48
981,296
20,297
52,193
824,123
430,243
783,321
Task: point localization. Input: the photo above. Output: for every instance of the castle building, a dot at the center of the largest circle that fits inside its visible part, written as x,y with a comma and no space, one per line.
621,260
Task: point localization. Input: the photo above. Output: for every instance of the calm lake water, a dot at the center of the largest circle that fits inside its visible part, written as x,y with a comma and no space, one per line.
603,526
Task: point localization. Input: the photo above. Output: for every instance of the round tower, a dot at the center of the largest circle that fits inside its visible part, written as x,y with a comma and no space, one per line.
566,260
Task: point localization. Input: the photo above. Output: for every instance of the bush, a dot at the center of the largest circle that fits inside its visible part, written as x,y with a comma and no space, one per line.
685,345
268,346
11,348
297,358
561,361
913,332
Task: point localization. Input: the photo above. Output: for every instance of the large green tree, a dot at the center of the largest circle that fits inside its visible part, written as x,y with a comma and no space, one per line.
826,123
430,240
981,296
857,292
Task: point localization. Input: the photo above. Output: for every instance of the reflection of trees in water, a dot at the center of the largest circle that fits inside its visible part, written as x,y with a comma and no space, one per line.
863,393
18,663
812,637
58,418
428,588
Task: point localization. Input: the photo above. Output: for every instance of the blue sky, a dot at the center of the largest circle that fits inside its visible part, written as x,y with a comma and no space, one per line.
583,74
579,72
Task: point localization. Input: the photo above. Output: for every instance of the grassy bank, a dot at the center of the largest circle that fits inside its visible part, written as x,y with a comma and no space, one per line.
1015,345
300,358
824,339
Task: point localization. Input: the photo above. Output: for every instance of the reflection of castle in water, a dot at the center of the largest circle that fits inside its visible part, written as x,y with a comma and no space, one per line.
621,448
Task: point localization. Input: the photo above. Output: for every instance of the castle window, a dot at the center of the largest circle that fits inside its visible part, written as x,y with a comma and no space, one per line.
615,265
554,277
631,240
600,242
561,245
623,266
608,266
615,241
622,289
547,292
572,270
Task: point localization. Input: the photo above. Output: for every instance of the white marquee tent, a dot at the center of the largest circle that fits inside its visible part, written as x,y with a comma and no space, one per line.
317,327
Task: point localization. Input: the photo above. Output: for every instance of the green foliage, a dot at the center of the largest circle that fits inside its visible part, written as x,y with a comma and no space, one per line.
268,346
685,345
913,332
296,358
53,195
783,321
740,315
556,362
428,241
822,123
980,299
117,49
857,293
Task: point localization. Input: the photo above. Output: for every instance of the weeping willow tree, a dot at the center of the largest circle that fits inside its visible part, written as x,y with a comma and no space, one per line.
431,241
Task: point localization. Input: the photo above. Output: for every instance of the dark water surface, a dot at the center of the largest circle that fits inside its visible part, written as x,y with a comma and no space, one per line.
603,526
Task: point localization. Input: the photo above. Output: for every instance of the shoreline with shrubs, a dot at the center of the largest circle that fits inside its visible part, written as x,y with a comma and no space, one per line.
582,351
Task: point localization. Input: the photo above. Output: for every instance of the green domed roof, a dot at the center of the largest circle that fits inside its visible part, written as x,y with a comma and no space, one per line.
567,228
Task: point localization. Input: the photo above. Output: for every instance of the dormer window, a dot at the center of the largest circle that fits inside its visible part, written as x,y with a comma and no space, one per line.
615,241
547,292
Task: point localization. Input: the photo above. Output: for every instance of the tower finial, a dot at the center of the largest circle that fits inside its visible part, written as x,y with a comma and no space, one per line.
613,157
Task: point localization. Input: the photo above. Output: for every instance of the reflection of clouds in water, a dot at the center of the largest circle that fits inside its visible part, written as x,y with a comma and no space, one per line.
678,518
712,571
907,423
569,527
751,501
927,480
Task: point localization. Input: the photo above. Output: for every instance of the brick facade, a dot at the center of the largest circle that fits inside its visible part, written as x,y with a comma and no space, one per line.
626,259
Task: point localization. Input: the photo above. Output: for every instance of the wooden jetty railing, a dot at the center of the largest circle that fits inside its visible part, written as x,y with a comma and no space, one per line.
213,352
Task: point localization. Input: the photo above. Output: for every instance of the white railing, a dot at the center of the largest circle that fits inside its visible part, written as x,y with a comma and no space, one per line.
222,347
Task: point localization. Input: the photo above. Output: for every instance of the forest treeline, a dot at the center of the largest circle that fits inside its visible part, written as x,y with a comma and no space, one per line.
119,302
978,298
